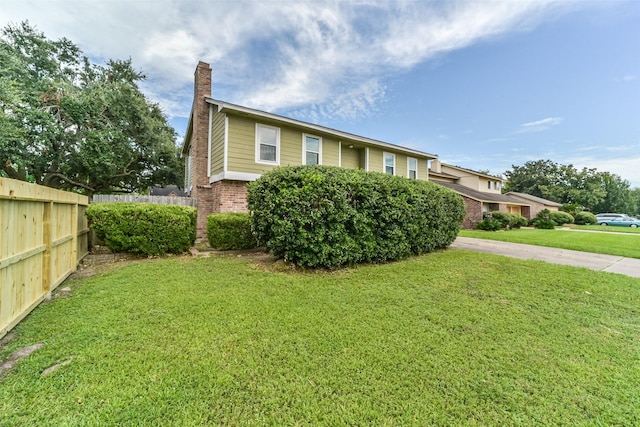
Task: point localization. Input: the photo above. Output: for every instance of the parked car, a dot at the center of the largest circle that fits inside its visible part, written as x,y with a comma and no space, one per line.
621,220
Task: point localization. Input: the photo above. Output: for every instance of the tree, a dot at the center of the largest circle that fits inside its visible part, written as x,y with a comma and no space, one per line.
70,124
585,189
618,197
635,201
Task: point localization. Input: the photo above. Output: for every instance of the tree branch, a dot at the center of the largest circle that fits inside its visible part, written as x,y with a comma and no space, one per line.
70,181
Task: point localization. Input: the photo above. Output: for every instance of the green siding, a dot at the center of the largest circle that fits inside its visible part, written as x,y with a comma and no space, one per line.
241,156
423,169
217,142
330,152
242,146
290,147
401,165
350,157
375,160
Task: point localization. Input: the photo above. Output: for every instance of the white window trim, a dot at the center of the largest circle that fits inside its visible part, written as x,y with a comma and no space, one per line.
209,140
225,153
409,167
266,162
304,147
384,162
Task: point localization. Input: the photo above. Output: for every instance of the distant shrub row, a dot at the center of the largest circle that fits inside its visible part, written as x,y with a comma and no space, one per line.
494,221
142,228
329,217
497,220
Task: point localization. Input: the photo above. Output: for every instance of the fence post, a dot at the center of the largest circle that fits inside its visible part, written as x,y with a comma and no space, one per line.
74,235
46,240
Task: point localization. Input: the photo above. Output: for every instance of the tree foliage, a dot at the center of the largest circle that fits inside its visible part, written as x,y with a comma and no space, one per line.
70,124
585,189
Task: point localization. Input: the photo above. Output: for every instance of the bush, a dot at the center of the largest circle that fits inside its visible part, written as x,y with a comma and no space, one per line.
543,220
585,218
489,224
327,217
230,231
144,228
508,220
560,218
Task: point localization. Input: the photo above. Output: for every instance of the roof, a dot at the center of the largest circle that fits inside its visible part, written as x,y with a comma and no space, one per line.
227,106
443,175
481,196
472,171
167,191
536,199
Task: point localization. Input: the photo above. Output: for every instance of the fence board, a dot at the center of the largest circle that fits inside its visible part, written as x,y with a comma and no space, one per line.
43,236
161,200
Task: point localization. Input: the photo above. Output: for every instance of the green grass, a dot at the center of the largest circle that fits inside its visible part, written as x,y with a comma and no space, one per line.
606,228
602,243
451,338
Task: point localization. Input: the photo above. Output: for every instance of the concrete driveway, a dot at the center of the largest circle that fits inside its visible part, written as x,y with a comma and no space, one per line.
600,262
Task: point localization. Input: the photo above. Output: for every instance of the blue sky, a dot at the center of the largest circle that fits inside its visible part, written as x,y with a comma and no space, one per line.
483,84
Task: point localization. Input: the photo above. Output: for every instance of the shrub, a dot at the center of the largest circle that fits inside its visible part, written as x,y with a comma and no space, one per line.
143,228
560,218
585,218
543,220
489,224
327,217
508,220
229,231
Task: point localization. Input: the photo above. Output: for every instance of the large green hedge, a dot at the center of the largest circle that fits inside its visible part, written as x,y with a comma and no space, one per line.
327,217
143,228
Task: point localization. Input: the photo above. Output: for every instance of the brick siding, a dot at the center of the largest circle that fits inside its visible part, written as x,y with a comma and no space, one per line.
473,213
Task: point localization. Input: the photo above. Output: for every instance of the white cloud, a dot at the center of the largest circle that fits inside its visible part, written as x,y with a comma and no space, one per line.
629,77
325,56
540,125
625,167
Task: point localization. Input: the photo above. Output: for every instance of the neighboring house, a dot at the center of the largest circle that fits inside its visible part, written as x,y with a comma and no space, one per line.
167,191
481,192
537,203
228,145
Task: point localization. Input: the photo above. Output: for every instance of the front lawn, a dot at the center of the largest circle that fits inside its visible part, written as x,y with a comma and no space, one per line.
608,228
601,243
450,338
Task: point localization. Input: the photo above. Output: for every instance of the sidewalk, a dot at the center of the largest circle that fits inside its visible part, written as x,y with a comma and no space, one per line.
600,262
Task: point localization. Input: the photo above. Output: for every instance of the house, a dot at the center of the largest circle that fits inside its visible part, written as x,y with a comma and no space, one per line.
228,145
537,203
481,192
167,191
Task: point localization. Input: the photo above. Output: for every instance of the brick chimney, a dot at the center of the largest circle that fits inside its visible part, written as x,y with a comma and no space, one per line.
436,166
199,144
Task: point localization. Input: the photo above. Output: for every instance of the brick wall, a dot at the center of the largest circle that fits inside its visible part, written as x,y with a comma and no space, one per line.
473,213
537,207
230,196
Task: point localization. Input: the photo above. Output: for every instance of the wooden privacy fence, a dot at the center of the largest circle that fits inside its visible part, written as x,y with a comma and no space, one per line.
161,200
43,236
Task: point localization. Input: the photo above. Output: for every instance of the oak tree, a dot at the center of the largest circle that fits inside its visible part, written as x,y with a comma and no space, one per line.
70,124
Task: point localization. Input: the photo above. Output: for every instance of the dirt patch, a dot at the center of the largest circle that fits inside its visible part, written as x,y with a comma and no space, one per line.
4,341
18,355
56,366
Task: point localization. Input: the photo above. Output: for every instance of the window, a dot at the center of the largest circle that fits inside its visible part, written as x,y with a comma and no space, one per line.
389,163
412,168
311,150
489,185
267,144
